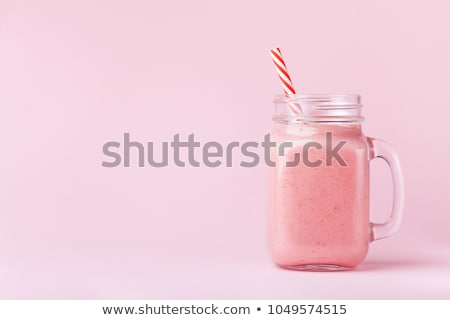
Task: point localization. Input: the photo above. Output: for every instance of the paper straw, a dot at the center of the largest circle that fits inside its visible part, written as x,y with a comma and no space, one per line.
285,79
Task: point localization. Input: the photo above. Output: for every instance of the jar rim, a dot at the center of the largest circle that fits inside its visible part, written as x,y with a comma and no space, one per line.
318,107
321,98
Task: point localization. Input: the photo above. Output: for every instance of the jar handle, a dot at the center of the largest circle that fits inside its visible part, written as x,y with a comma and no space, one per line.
381,149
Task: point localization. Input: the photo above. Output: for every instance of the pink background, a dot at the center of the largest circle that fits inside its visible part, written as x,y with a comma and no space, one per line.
74,74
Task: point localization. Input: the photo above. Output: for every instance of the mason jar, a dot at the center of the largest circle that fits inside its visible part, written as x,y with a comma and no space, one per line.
319,185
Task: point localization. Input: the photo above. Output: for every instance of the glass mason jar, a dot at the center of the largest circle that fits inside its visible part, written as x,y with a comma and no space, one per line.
319,185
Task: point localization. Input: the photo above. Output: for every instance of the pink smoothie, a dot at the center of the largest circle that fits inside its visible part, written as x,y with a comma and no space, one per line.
319,215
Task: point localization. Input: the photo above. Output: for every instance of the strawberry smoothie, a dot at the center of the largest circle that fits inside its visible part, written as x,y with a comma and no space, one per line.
319,214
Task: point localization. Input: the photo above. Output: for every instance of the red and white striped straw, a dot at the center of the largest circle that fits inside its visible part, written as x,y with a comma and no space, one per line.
286,81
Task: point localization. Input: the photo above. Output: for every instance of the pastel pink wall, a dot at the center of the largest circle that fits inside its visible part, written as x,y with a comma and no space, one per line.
75,74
